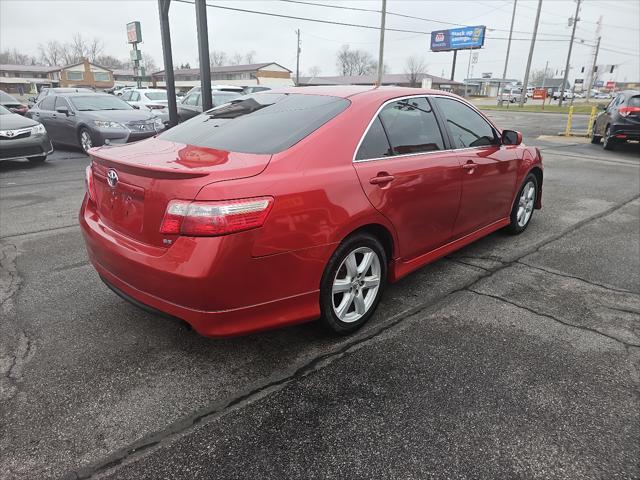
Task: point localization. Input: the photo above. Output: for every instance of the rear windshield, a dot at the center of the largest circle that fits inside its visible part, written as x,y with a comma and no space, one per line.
156,95
634,101
262,123
220,98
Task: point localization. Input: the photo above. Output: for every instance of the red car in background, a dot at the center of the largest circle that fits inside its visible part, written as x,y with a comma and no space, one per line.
287,206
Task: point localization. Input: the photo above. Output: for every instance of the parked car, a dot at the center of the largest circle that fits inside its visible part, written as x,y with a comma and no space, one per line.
88,120
619,122
568,95
220,88
191,104
12,104
21,137
57,90
290,205
513,95
120,91
149,98
602,96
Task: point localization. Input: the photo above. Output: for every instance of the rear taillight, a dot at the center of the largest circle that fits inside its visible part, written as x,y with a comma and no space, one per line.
215,218
89,185
626,111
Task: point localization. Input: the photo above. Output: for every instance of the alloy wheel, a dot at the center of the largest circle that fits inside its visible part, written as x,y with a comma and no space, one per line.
356,284
85,140
526,204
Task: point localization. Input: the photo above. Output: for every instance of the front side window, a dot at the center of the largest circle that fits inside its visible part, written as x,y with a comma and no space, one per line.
261,123
467,127
375,143
60,102
47,103
411,126
126,96
135,96
192,99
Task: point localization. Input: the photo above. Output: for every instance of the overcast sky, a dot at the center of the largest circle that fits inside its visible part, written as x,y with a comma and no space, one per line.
26,23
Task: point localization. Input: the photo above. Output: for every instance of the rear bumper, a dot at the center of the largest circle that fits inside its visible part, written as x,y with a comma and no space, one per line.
211,283
630,131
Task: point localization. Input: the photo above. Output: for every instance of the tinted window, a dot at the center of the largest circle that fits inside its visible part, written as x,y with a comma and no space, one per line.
375,143
411,126
467,127
47,103
261,123
634,101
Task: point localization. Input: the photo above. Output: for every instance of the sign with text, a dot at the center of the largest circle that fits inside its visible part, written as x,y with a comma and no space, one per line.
458,38
611,85
539,94
134,32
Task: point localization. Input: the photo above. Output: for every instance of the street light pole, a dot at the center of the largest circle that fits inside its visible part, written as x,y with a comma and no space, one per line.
593,69
566,68
381,53
165,34
523,94
298,59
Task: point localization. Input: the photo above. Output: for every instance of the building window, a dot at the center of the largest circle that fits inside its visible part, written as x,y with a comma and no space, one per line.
71,75
101,76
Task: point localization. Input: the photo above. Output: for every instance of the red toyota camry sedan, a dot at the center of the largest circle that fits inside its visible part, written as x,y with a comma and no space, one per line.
287,206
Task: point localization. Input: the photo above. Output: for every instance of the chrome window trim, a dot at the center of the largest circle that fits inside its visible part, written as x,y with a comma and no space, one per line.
424,95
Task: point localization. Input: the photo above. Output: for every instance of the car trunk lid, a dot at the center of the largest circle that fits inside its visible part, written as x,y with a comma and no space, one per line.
134,183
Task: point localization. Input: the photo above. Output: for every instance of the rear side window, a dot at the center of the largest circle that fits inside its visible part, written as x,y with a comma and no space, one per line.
411,126
47,103
467,127
375,143
262,123
634,101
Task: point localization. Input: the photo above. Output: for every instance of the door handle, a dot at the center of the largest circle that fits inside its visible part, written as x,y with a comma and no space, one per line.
381,179
469,166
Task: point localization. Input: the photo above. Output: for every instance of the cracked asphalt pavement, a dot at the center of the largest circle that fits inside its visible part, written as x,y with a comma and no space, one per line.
516,357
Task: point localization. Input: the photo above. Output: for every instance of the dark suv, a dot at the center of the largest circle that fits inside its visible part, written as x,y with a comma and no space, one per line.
620,120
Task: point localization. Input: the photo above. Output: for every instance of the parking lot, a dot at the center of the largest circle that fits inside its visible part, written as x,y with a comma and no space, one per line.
516,357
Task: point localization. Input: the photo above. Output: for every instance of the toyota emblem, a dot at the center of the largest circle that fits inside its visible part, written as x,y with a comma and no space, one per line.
112,178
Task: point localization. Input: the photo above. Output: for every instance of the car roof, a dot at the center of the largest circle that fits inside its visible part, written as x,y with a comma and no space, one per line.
83,94
358,92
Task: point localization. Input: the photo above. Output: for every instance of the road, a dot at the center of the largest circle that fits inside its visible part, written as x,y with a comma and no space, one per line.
516,357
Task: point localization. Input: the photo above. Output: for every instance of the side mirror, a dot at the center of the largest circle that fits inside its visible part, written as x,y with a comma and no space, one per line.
602,106
64,110
511,137
32,99
136,107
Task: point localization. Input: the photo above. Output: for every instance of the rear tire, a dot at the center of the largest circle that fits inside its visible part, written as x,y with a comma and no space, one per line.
39,159
352,284
595,139
524,205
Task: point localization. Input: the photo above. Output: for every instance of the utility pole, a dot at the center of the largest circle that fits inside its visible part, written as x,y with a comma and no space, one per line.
381,53
298,60
593,69
566,68
523,94
453,65
165,34
466,80
506,60
203,52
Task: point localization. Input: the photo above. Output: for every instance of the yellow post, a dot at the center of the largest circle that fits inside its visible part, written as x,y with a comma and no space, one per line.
567,131
592,120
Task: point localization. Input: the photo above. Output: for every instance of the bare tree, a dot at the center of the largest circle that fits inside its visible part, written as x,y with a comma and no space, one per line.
536,77
354,62
314,71
16,58
414,67
111,62
51,53
250,57
148,63
95,48
217,58
236,59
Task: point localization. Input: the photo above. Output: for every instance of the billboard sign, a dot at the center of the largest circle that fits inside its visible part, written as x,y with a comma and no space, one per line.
458,38
611,85
134,32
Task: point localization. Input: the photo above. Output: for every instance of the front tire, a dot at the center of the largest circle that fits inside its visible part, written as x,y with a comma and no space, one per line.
352,283
523,207
39,159
86,142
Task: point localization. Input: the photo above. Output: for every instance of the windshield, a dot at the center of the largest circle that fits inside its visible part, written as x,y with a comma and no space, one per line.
5,97
262,123
156,95
99,102
3,111
222,98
